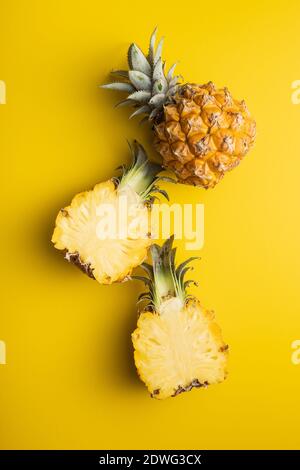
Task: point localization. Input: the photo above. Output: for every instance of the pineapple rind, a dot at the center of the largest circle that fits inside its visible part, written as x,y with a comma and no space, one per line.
203,134
178,349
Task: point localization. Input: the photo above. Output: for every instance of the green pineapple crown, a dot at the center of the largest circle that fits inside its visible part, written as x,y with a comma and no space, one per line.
142,175
146,83
164,280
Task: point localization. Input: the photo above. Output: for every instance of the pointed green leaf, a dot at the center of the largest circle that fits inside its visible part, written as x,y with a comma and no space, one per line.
144,279
158,100
163,192
143,110
148,268
140,80
119,86
123,103
137,60
140,96
140,153
171,71
151,51
182,274
181,266
158,52
120,73
158,73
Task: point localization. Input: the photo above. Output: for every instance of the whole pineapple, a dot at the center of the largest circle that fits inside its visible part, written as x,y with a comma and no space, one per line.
201,131
177,343
82,230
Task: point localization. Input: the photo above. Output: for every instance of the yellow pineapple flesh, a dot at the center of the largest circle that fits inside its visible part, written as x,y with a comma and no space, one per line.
179,348
106,259
106,231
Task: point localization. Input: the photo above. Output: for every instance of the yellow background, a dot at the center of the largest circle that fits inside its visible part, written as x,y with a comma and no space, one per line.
70,381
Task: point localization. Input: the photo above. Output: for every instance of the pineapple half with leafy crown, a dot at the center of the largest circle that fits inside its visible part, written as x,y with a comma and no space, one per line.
177,343
201,131
78,227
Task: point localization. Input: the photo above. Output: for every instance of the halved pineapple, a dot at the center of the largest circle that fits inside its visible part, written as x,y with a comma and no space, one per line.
178,345
106,231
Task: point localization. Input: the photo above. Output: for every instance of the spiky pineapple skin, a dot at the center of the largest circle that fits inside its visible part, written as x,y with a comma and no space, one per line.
178,349
203,134
75,234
